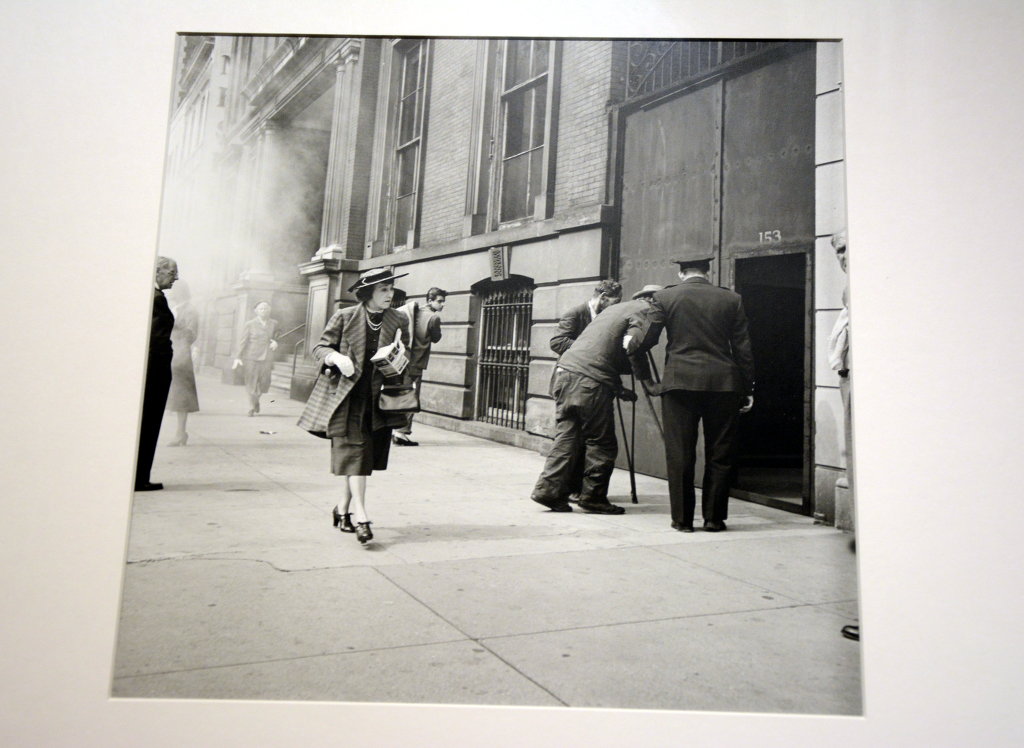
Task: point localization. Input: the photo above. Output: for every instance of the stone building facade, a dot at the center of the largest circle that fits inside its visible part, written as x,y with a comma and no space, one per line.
515,174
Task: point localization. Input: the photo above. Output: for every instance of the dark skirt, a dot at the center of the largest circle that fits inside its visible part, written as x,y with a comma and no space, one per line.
363,448
360,456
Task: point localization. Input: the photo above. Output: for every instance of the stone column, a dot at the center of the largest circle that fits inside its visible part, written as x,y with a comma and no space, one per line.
351,143
261,237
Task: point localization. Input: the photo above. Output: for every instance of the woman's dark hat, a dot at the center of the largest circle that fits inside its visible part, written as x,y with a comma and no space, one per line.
375,276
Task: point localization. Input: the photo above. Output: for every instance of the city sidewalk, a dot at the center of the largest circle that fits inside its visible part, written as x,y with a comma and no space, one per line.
238,587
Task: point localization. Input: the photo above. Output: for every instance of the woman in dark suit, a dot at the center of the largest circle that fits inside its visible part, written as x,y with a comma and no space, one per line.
256,352
343,405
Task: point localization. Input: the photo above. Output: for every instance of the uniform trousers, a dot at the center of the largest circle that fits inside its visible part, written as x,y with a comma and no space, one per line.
584,422
154,400
682,412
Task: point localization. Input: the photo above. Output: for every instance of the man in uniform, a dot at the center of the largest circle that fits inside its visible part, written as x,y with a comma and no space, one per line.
607,293
709,377
587,379
158,374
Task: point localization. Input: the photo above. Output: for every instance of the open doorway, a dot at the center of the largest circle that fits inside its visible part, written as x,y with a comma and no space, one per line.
774,436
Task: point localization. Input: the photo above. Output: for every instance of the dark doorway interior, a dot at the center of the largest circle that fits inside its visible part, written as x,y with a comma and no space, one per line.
773,435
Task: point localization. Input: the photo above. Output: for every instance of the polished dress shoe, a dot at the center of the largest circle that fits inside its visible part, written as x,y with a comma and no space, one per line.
147,486
681,527
342,521
714,525
600,507
555,505
851,632
363,532
402,441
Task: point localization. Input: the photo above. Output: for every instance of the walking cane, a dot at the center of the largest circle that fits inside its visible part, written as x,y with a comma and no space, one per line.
629,455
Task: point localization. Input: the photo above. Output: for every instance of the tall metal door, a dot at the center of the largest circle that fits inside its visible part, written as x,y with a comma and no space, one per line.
726,169
768,158
671,190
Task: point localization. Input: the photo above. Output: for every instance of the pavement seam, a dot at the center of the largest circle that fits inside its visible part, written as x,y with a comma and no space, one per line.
640,621
273,660
474,639
749,583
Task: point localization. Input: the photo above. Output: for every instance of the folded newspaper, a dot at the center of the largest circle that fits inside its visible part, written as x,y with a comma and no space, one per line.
391,359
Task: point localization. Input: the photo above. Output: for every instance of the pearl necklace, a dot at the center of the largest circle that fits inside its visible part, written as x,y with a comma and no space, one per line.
374,325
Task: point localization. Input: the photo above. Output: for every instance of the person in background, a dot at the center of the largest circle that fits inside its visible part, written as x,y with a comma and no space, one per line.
709,378
182,398
344,403
839,360
426,330
256,353
588,378
607,293
158,374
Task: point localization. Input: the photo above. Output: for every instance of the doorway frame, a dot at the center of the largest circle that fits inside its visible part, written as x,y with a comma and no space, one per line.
728,276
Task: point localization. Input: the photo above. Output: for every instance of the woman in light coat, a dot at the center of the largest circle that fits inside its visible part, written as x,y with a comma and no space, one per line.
182,398
344,403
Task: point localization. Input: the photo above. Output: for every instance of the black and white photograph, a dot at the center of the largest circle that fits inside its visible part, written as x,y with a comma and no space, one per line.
450,338
484,375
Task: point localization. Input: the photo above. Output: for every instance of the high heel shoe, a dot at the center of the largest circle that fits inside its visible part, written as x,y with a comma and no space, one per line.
342,521
363,532
179,442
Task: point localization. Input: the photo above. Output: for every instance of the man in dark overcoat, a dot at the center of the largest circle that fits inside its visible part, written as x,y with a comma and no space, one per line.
587,380
709,378
158,374
571,324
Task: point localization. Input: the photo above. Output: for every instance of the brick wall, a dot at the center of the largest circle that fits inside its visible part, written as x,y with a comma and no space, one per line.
449,139
582,156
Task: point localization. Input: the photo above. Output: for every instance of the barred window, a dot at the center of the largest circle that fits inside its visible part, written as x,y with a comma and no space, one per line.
504,358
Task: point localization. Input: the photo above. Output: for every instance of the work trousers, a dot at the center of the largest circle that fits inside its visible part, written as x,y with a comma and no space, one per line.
682,412
584,422
154,400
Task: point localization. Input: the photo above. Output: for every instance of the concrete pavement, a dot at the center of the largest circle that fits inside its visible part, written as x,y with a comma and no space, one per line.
238,587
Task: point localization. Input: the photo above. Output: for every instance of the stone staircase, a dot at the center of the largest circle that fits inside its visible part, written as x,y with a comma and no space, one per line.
281,374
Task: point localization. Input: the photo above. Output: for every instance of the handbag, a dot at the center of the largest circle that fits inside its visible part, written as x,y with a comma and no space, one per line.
399,398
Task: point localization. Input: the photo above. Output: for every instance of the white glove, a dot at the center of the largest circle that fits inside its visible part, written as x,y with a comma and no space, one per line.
273,345
237,363
343,362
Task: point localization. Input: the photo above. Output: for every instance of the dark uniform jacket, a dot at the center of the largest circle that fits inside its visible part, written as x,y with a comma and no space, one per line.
160,347
597,353
346,333
708,348
570,326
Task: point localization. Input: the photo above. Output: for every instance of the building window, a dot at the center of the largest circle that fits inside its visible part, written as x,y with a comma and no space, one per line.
504,358
409,81
526,98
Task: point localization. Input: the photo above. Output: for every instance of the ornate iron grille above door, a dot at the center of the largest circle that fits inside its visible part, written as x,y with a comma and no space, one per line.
504,360
654,65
